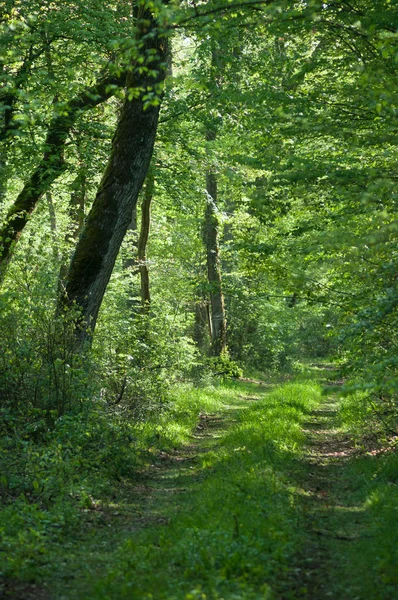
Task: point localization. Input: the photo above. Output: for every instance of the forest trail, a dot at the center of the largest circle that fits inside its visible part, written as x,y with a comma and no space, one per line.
173,474
332,518
261,504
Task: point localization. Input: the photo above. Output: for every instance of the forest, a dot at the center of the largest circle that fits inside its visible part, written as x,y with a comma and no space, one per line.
198,299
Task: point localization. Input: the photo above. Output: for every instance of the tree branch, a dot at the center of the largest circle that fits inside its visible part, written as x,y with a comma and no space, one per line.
218,9
52,163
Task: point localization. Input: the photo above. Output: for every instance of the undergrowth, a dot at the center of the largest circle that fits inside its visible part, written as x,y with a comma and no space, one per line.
373,477
89,510
234,531
49,476
237,529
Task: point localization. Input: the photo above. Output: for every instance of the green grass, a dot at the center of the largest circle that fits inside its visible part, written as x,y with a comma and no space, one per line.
127,522
231,520
106,510
370,488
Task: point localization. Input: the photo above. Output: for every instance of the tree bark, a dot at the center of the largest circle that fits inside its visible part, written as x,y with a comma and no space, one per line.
110,215
51,166
77,203
211,237
202,324
143,241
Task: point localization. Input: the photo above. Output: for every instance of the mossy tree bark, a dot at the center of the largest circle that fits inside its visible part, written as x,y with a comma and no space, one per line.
143,240
51,166
116,198
218,328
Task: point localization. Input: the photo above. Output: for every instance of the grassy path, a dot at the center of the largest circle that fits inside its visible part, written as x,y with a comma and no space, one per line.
332,517
268,500
215,519
350,552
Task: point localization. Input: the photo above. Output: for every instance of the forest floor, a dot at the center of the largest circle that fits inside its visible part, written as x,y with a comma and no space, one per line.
268,500
333,518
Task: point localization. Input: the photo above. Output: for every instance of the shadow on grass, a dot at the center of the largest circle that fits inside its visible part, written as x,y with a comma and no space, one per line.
350,510
233,528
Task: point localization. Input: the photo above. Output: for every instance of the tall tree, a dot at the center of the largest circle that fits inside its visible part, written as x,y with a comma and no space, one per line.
132,147
51,166
60,59
143,240
211,238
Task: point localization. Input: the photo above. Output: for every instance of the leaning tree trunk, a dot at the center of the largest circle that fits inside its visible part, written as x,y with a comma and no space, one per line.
110,215
211,236
51,165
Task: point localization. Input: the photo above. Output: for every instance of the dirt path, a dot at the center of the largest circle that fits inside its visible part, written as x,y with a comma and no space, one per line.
328,519
174,472
332,519
329,514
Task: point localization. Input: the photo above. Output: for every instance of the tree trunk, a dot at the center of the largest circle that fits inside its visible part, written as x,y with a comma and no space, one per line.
53,224
143,241
51,166
130,262
211,236
77,205
202,326
110,215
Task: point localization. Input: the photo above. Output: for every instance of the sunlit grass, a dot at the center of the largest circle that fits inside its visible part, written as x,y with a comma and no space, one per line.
177,512
373,490
236,528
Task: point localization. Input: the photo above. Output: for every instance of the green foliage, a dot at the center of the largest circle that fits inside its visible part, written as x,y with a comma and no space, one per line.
40,368
26,532
303,97
48,479
368,416
51,477
140,356
237,529
373,480
224,366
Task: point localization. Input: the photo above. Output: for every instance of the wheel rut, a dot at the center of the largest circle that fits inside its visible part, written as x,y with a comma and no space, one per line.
330,520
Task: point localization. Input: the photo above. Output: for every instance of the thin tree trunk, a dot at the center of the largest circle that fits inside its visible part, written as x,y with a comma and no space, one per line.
51,166
201,324
51,212
130,263
143,240
217,321
76,213
110,215
137,262
77,203
53,224
211,236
